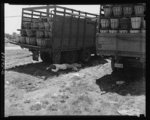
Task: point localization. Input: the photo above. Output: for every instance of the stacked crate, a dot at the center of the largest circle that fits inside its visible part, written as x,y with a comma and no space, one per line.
38,32
124,18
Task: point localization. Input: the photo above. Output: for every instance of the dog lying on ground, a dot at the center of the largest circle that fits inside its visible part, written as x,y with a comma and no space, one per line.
57,67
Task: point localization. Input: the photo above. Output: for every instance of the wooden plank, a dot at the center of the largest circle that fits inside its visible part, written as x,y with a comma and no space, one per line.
84,33
70,32
66,32
62,36
77,32
53,31
73,14
26,19
74,33
27,13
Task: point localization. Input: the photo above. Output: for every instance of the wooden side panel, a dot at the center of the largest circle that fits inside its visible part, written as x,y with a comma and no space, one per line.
81,31
73,33
66,31
106,43
57,32
131,43
90,34
122,44
70,33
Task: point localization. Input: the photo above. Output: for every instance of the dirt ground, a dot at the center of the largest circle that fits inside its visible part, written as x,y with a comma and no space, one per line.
31,90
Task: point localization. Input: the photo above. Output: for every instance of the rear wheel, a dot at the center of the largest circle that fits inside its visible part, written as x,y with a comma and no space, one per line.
46,57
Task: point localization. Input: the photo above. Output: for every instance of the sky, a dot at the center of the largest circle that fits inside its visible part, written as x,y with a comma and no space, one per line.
12,14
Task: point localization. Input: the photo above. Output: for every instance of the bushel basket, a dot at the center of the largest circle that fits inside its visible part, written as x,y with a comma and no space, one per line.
124,23
31,41
114,23
17,40
34,25
27,25
23,33
127,10
41,25
46,25
47,34
30,33
22,40
42,42
39,34
139,9
107,10
105,23
117,10
136,22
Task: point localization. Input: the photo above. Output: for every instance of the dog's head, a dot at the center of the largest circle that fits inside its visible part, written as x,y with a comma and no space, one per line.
51,67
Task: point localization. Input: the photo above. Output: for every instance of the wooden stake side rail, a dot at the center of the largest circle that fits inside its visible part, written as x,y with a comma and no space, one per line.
56,6
72,14
25,13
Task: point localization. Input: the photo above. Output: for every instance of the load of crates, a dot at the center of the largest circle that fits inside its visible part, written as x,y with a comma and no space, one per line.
37,33
124,18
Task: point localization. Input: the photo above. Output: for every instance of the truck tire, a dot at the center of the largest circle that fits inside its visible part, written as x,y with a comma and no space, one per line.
85,55
46,57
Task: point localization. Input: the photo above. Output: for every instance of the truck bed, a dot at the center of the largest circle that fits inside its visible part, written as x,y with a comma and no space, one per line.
128,45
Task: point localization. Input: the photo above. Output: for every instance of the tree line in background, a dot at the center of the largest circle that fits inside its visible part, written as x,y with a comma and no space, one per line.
8,36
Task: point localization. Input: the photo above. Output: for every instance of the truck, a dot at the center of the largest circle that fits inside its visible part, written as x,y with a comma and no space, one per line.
125,49
73,34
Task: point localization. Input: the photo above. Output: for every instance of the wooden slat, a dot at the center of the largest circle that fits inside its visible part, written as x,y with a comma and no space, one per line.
72,14
76,10
70,31
77,32
55,6
84,33
62,35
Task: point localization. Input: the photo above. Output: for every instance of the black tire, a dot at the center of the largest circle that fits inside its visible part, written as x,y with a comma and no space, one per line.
46,57
85,55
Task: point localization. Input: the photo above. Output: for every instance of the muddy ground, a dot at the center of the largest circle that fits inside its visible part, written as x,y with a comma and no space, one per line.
31,90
